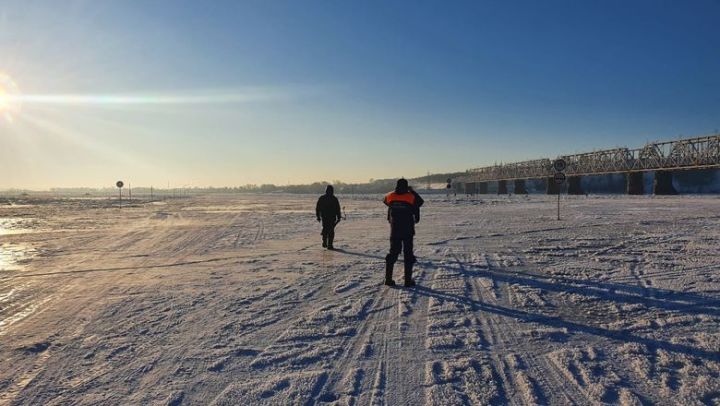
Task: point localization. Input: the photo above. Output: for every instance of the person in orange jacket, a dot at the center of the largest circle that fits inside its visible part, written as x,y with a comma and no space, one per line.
403,213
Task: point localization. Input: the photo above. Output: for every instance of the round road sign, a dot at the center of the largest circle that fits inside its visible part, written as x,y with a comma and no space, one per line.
559,165
119,184
559,178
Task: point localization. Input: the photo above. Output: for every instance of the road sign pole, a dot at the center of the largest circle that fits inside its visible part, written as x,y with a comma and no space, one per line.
559,178
558,216
120,185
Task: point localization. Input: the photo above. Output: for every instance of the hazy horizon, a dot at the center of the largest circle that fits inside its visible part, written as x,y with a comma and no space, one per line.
161,187
235,93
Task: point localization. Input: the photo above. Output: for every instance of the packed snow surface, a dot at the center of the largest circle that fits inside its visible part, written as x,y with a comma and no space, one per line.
230,300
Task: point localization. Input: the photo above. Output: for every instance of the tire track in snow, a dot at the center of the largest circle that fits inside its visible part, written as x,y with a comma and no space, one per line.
383,353
502,334
344,309
356,351
460,371
408,329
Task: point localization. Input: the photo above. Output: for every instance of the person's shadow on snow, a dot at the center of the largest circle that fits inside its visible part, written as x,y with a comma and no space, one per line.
559,322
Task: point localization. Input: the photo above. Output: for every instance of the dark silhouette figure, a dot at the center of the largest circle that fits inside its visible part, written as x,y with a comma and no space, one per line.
327,211
403,213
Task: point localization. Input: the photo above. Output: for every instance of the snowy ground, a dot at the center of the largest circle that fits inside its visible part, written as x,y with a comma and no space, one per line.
231,301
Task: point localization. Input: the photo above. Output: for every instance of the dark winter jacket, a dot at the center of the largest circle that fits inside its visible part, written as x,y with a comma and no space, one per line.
328,206
403,211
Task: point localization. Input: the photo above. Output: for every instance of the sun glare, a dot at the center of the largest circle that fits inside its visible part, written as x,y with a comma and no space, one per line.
9,98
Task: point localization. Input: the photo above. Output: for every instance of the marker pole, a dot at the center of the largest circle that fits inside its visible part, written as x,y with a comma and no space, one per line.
558,216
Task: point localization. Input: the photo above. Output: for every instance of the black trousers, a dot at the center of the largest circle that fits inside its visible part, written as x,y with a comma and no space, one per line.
406,246
328,230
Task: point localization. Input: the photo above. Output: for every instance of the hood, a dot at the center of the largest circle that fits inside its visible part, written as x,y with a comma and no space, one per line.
401,186
329,190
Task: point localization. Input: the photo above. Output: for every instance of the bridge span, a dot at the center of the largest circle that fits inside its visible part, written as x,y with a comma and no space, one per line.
662,158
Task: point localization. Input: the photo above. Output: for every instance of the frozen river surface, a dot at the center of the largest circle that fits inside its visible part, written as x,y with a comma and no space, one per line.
230,300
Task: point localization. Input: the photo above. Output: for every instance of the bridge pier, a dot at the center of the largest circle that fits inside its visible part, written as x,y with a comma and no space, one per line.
470,188
502,187
662,185
551,187
635,183
483,188
574,186
520,188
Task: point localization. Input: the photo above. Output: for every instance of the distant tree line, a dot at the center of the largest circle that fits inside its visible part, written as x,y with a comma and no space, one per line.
370,187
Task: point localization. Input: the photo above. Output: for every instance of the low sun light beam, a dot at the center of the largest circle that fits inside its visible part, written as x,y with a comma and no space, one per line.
10,103
11,99
137,99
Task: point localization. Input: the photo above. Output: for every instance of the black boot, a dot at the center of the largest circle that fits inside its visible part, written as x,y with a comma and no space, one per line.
324,241
330,242
408,274
388,274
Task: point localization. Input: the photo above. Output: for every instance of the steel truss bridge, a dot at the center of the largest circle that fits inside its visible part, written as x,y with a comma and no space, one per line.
689,153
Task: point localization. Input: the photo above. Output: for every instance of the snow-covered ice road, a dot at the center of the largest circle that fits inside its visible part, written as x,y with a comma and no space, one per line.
230,300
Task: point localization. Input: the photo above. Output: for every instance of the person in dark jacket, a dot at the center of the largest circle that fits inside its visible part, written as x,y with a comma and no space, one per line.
327,211
403,213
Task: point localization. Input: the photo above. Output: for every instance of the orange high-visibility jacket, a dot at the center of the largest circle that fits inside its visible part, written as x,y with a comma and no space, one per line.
403,213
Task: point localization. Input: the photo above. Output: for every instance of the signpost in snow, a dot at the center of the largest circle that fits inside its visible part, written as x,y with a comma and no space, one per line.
120,185
559,165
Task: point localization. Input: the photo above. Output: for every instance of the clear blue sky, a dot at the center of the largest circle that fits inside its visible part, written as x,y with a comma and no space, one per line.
235,92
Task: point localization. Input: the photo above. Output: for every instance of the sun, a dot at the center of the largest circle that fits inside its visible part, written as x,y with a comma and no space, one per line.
4,100
9,98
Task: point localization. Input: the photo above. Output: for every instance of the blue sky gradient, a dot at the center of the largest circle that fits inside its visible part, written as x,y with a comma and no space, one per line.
325,90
